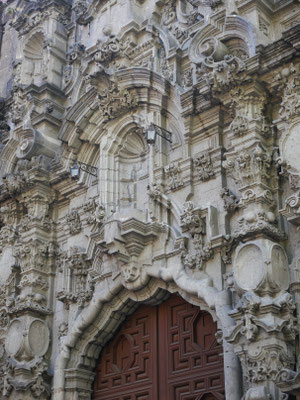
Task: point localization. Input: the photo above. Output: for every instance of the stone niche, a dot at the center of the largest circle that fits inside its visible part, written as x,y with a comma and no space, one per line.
291,147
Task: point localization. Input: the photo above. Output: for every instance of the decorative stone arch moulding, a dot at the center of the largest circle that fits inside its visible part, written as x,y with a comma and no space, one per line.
85,118
110,305
8,157
211,41
289,144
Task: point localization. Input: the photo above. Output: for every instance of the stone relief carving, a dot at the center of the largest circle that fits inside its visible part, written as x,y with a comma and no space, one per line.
75,269
265,310
224,75
95,212
194,224
113,101
290,105
25,24
169,20
173,174
131,252
26,343
74,222
63,329
80,7
229,200
111,47
248,111
203,166
263,221
249,167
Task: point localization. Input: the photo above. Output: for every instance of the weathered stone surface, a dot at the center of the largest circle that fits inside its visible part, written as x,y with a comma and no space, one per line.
210,208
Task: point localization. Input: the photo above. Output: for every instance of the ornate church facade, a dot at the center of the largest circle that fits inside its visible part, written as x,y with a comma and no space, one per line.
149,199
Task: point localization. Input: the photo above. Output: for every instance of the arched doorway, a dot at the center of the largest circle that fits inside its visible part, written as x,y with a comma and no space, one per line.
164,352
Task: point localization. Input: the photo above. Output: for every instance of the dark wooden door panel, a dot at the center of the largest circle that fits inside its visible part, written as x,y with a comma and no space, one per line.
167,352
128,364
192,362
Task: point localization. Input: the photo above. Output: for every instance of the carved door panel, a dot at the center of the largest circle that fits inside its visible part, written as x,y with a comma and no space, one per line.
192,362
167,352
127,367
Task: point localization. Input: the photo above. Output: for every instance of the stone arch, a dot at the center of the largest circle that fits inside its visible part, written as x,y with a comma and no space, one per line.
82,347
110,305
84,120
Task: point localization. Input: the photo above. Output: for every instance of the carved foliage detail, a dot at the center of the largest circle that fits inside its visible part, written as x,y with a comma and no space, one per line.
194,224
250,166
173,174
204,166
75,269
74,222
113,101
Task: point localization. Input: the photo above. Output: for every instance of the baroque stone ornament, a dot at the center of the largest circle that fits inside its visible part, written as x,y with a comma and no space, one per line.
193,223
290,105
208,216
112,102
203,166
80,8
225,74
75,270
265,310
74,223
229,199
173,173
96,213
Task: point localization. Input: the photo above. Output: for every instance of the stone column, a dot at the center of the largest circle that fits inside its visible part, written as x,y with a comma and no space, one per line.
28,336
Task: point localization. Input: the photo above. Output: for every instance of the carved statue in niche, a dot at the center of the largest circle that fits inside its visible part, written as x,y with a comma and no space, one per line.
33,69
132,169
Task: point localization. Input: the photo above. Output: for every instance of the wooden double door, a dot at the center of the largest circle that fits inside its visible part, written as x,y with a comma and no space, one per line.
164,352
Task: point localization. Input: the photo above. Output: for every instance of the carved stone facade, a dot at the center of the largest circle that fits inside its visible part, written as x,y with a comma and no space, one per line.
210,210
